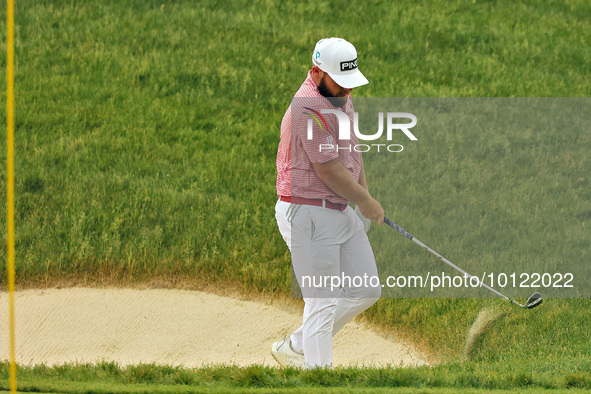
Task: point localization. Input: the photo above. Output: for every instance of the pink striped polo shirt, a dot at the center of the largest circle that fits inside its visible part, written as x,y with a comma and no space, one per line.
296,153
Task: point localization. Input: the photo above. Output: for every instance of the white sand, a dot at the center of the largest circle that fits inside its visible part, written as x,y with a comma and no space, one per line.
174,327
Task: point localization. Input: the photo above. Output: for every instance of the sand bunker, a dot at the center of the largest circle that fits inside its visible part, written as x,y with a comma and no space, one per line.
173,327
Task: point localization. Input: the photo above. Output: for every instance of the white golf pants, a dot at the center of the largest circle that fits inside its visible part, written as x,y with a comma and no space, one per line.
327,243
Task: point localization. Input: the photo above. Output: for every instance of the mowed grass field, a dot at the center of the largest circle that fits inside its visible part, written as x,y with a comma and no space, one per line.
146,134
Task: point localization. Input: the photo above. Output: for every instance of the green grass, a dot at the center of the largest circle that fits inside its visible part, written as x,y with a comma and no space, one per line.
146,134
151,378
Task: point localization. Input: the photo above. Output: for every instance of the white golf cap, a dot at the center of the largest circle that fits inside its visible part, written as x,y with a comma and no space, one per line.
338,58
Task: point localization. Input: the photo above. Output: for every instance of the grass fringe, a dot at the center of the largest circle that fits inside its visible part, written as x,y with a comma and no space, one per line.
456,375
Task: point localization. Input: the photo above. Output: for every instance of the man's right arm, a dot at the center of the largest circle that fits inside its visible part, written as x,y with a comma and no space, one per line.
334,175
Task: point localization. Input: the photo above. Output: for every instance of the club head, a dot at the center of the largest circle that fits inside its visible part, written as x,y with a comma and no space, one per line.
533,301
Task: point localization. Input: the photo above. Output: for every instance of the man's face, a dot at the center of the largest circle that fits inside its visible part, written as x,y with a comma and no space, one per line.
332,91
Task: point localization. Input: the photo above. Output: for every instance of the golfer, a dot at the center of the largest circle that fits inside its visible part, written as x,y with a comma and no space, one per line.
318,175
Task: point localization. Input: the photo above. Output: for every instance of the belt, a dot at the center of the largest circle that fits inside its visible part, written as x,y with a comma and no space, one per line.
314,202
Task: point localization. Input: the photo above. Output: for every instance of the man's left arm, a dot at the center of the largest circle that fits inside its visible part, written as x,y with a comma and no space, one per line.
363,182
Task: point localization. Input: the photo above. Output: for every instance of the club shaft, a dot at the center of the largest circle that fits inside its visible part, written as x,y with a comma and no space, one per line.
446,261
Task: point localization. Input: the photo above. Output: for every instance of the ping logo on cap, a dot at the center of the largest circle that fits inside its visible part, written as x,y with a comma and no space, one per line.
316,60
349,65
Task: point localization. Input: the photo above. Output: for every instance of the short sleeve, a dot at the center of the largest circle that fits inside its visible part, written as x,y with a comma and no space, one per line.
322,146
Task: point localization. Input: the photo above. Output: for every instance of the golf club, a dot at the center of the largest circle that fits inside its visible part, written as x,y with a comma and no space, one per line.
533,301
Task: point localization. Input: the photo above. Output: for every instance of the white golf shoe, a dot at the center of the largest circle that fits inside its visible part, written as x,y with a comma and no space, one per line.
286,356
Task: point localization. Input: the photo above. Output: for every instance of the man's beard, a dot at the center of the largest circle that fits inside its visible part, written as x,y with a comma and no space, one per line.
335,101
